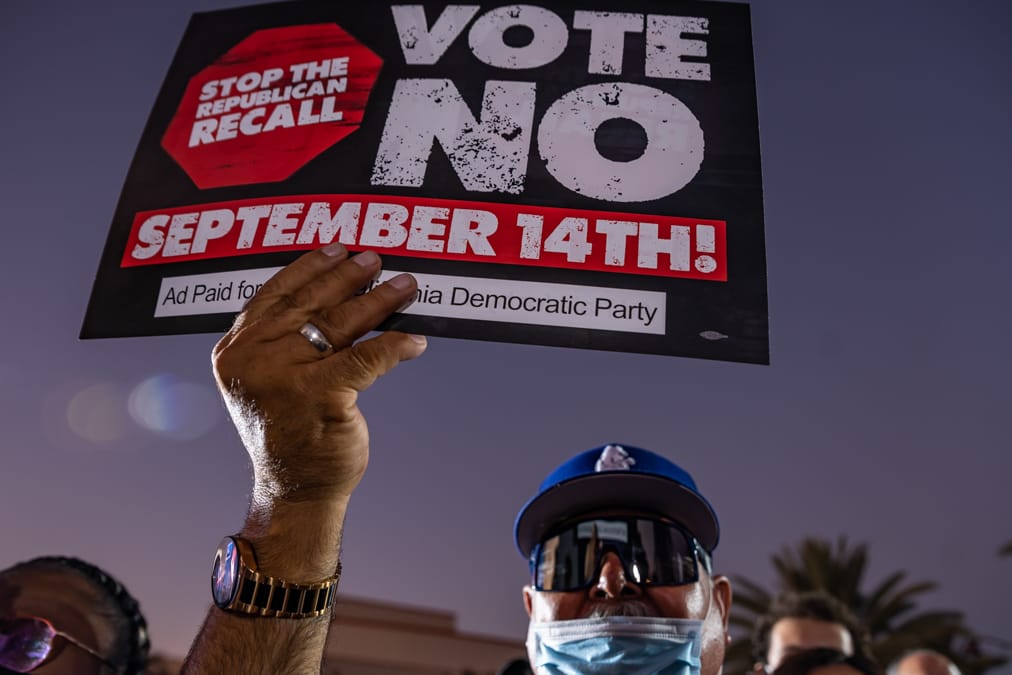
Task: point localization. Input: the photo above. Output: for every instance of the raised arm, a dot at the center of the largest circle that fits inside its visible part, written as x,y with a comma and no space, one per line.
295,409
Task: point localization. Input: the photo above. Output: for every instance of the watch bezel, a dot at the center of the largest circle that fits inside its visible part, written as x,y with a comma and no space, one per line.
226,573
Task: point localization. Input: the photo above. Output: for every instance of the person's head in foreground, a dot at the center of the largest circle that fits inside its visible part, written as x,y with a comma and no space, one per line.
923,662
619,541
63,616
799,621
825,661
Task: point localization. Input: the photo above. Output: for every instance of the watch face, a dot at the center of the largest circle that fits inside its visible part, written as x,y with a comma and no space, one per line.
225,575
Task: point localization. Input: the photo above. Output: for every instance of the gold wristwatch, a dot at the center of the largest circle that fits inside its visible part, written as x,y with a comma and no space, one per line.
237,586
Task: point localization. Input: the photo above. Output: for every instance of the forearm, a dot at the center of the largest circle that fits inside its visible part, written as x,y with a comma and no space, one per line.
298,542
228,643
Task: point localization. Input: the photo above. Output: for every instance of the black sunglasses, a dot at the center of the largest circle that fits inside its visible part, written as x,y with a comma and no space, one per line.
653,553
26,642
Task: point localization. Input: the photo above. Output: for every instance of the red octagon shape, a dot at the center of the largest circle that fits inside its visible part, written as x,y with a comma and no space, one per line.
271,104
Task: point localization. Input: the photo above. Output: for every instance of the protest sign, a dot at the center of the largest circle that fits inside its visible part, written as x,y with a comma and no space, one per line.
581,174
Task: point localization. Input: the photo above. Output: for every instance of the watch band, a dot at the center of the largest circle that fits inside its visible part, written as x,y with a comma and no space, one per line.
262,595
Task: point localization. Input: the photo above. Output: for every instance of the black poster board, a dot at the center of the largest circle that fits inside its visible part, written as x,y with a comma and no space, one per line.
580,174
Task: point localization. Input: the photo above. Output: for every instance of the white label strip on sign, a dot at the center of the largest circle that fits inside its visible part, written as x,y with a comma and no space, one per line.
503,300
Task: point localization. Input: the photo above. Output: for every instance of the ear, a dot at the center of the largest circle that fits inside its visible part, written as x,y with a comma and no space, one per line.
528,600
722,598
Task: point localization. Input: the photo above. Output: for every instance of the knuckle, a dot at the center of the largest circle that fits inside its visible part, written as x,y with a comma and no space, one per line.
286,301
380,295
337,274
334,324
271,287
220,346
281,304
363,365
229,338
232,363
224,363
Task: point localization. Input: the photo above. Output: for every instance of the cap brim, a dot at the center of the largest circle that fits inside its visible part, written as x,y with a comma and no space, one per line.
650,495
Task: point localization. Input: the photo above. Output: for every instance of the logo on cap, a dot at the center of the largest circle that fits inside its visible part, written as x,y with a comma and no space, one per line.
614,458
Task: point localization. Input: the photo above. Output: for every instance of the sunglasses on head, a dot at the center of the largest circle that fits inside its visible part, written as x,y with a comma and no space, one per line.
652,552
27,643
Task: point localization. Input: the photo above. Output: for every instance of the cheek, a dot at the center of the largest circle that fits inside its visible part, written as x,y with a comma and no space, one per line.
685,602
714,644
555,606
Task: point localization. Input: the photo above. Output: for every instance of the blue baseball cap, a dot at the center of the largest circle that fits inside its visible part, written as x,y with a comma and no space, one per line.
622,477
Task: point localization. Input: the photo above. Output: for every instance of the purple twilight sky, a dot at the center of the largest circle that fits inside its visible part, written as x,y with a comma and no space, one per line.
885,414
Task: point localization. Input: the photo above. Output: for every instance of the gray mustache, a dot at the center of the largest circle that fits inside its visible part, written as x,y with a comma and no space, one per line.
626,608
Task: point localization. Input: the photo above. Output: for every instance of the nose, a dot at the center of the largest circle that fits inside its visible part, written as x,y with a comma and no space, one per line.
612,582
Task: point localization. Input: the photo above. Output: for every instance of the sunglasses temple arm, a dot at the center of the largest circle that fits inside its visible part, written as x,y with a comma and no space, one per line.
77,643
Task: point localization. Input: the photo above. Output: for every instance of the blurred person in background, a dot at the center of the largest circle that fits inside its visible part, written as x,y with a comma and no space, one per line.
923,662
822,661
64,616
800,621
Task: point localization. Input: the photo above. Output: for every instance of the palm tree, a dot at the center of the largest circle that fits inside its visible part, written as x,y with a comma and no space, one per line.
888,610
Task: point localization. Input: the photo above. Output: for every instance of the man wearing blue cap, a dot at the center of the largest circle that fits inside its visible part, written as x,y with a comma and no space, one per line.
619,539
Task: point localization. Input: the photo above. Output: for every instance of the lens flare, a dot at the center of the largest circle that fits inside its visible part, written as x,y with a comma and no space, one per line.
174,408
96,414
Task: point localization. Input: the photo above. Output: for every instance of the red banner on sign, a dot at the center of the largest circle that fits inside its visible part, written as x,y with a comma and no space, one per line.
514,234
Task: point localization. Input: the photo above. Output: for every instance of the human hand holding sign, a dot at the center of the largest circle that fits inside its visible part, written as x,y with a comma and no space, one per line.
290,371
294,405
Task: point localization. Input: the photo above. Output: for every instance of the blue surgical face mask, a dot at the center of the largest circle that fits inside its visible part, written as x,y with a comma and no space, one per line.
616,645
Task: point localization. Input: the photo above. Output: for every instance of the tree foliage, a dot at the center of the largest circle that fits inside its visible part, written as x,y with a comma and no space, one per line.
889,610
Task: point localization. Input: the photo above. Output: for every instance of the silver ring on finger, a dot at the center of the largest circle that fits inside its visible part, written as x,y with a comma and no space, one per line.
315,337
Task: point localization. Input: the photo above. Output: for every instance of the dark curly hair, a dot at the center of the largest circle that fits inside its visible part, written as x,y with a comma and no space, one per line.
818,605
134,644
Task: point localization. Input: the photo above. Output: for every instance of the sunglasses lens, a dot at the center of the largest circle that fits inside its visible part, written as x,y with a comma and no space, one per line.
25,643
675,561
652,552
